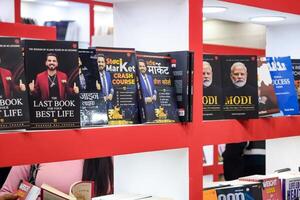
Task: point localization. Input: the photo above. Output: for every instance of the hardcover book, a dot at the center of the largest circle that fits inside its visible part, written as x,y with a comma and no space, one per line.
93,111
182,67
283,81
52,72
271,186
13,92
157,95
296,72
116,78
239,81
267,100
212,99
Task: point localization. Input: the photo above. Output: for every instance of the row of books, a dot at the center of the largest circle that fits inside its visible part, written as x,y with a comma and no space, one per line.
245,87
81,190
280,186
53,84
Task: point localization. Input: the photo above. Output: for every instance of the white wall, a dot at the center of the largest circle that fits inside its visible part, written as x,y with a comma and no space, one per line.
146,26
78,12
234,34
283,41
283,152
103,20
7,11
160,173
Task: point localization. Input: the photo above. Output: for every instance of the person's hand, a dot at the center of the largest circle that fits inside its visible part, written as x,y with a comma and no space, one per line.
22,86
75,88
98,86
31,86
9,197
109,97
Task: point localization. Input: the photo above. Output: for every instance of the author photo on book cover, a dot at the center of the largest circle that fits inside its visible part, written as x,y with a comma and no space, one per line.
148,90
52,84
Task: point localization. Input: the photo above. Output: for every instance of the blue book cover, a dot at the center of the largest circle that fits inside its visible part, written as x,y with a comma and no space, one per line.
283,81
241,192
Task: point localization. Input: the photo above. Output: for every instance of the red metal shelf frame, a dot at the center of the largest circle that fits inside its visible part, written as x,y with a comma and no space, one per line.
55,145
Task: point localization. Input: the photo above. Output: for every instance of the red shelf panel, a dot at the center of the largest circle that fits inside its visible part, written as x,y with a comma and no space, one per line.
27,31
231,50
44,146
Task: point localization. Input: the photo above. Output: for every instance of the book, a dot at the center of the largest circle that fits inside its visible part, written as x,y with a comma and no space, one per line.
239,82
290,185
283,81
157,95
27,191
212,98
116,76
182,67
296,73
267,100
93,110
129,197
210,194
271,185
83,190
13,92
52,72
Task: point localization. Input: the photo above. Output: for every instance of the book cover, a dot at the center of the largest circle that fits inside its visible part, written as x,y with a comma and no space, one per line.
271,186
290,186
267,100
239,82
27,191
241,192
181,65
93,111
52,71
296,72
212,98
157,95
116,76
283,81
210,194
13,92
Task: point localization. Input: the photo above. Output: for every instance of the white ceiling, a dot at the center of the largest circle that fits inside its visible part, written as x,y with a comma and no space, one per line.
240,13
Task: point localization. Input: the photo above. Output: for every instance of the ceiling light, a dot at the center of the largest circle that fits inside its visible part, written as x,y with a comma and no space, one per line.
267,19
61,3
99,8
213,9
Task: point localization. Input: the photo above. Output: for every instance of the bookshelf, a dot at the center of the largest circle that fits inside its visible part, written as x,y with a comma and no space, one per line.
55,145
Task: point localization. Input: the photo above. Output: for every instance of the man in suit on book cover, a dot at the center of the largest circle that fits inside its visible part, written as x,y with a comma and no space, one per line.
6,83
103,82
148,90
52,83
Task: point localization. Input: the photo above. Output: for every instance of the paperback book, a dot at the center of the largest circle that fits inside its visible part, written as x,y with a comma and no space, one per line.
52,74
13,92
296,72
157,95
116,78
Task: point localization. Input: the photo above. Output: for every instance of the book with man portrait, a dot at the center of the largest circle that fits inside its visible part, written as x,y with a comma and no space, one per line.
296,72
13,92
157,95
52,73
93,111
239,82
212,99
116,82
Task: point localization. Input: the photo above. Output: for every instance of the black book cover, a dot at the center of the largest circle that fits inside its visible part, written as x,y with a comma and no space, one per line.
296,72
239,82
181,62
191,88
241,192
13,95
157,95
212,99
93,111
52,73
117,78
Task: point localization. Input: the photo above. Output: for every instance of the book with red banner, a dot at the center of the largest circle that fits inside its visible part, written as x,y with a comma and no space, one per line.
27,191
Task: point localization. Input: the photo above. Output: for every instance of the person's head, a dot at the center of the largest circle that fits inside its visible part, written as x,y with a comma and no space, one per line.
207,74
51,61
238,74
142,66
79,62
101,62
99,170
